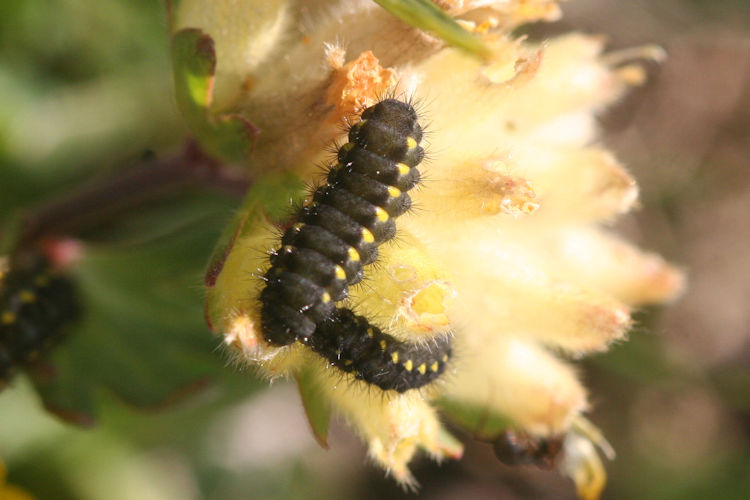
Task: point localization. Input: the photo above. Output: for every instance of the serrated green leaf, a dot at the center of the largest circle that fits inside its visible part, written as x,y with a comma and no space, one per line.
426,15
317,409
480,421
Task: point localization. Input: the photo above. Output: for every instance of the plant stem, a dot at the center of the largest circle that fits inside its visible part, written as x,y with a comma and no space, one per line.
129,189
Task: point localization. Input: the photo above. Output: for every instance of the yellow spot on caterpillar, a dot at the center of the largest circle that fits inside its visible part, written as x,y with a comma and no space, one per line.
367,235
381,214
348,362
434,366
298,226
8,317
383,344
411,142
287,249
370,332
445,358
41,280
348,146
403,168
394,357
422,368
326,298
27,296
340,273
353,254
394,191
409,366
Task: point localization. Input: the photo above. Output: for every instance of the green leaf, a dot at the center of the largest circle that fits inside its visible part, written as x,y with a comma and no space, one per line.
142,336
477,420
232,136
194,66
426,15
316,405
228,136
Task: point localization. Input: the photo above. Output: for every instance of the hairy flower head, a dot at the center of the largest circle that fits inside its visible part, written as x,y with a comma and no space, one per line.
507,248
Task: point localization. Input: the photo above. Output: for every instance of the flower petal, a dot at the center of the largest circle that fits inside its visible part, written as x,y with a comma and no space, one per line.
559,185
599,260
538,392
515,296
407,292
393,425
574,184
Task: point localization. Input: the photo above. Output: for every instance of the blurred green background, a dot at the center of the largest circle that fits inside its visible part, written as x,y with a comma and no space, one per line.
86,90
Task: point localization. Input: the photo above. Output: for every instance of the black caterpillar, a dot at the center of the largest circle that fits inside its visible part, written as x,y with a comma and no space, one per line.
337,234
349,217
350,343
34,306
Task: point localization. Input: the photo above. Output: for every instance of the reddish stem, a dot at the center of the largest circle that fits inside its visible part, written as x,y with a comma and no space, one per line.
128,189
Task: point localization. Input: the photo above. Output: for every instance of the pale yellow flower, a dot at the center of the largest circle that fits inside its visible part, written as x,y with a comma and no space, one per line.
508,248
